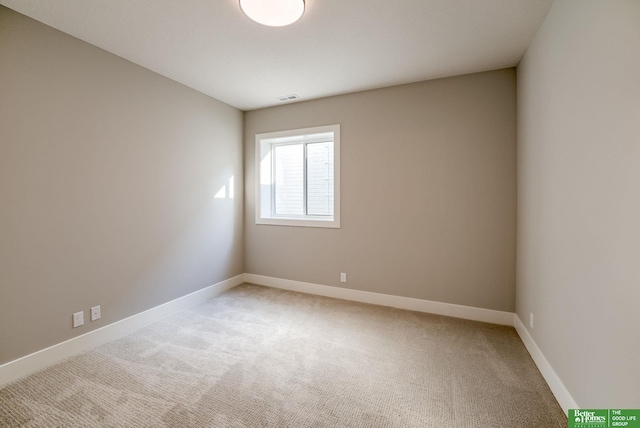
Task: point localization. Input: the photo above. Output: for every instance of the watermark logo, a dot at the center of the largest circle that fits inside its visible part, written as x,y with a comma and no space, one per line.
602,418
589,418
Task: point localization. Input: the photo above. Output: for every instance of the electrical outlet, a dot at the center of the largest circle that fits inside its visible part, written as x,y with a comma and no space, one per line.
95,313
531,319
343,277
78,319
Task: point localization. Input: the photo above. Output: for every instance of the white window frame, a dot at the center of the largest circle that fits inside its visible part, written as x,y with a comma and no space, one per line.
264,177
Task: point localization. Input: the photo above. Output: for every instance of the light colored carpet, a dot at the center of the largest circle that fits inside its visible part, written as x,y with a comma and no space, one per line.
262,357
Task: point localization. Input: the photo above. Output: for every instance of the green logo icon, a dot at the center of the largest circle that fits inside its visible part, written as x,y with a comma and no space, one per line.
603,418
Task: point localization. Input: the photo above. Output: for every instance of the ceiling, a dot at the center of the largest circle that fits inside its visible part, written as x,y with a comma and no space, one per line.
338,46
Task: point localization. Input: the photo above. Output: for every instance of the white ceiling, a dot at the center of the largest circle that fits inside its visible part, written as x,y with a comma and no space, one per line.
338,46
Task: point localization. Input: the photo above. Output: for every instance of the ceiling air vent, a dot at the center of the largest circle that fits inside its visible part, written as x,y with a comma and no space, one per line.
288,98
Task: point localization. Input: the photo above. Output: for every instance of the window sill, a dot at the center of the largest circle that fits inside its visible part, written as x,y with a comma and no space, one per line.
296,222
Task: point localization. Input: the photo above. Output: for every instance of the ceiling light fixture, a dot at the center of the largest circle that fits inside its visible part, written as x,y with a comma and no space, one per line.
273,13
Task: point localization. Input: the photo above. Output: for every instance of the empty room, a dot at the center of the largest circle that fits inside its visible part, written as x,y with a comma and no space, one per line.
320,213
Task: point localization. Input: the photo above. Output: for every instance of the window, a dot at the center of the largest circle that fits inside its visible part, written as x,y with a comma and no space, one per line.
298,177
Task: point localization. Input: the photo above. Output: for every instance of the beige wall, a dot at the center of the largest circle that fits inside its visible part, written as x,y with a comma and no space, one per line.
579,198
107,178
428,193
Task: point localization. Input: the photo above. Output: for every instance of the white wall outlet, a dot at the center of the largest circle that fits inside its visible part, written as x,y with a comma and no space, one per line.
343,277
95,313
78,319
531,319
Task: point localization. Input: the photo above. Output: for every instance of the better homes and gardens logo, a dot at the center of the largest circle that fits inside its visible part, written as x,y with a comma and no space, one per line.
589,418
602,418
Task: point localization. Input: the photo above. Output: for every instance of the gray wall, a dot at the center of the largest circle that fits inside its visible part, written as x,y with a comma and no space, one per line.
579,198
428,193
107,180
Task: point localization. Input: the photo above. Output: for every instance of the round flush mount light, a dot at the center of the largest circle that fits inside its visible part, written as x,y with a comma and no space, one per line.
273,13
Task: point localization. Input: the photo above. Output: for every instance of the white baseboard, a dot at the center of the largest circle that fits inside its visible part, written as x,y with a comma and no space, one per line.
561,393
26,365
448,309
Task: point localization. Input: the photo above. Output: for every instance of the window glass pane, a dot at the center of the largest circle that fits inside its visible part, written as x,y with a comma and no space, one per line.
320,179
289,179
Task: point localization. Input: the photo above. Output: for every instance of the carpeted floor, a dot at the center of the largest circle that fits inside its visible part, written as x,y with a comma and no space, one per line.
262,357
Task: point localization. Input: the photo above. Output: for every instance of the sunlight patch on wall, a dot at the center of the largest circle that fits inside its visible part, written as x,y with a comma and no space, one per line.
226,191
